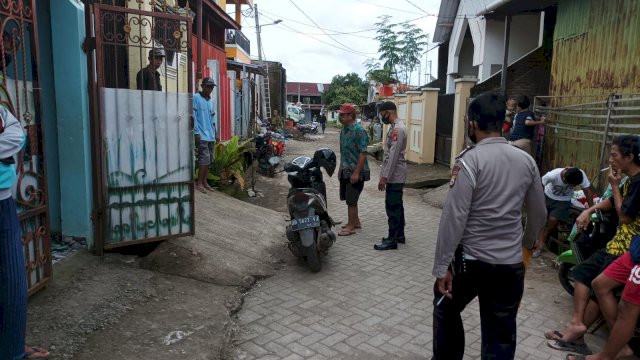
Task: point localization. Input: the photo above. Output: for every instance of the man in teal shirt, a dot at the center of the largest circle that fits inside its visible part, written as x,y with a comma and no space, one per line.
205,131
354,169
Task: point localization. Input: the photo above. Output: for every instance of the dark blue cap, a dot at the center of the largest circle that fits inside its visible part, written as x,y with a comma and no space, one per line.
488,111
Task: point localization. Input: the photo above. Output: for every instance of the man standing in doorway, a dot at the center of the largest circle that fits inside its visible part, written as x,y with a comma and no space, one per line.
354,168
393,176
149,78
205,131
480,239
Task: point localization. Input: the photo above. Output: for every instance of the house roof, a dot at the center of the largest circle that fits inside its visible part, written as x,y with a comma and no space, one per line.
446,17
306,89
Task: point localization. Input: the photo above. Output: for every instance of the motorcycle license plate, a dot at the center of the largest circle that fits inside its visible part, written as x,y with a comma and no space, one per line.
305,223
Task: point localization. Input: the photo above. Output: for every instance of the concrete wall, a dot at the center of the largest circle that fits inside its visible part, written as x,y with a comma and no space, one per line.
72,112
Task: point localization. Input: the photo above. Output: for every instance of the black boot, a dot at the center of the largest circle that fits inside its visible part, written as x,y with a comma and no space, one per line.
386,244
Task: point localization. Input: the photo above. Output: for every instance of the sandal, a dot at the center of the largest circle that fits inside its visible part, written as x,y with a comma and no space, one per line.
561,345
36,352
201,189
355,227
553,335
345,232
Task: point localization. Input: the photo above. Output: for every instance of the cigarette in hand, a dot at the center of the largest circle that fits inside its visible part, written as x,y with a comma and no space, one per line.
442,298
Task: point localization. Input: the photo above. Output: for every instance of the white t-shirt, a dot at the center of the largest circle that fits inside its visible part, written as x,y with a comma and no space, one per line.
556,189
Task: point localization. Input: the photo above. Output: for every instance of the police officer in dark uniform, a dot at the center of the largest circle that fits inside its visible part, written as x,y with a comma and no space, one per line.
149,78
479,251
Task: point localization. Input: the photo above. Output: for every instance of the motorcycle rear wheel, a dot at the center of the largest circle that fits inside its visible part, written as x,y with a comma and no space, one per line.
566,277
313,259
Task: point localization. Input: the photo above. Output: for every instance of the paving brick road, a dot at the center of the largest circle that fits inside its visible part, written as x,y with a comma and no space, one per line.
368,304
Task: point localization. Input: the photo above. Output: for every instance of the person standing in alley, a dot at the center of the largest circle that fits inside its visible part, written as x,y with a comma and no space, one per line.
393,176
148,78
354,168
13,277
323,120
276,121
205,131
480,238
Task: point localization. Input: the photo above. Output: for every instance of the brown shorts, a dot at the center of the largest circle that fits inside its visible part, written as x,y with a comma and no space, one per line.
350,192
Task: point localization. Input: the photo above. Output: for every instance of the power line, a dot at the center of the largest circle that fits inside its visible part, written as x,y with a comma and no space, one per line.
323,34
321,29
417,7
289,28
386,7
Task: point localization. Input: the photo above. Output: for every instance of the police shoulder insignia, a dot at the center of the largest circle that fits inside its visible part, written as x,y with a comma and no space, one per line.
454,176
464,151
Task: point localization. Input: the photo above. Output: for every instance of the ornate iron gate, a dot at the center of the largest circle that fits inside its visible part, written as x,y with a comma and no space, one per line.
142,130
19,93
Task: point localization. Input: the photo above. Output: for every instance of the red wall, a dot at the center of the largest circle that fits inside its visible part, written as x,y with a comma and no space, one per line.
212,52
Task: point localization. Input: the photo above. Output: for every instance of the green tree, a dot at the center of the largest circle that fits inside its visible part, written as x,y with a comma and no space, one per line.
388,44
399,51
412,43
349,88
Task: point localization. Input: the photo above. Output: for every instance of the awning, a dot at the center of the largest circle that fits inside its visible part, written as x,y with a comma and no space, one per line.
250,68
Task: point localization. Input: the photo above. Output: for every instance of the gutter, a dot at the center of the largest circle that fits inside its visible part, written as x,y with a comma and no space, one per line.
493,6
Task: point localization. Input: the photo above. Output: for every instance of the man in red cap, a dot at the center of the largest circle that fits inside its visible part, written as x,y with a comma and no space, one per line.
354,169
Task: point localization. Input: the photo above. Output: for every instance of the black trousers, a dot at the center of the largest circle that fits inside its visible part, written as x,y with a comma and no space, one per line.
499,290
395,210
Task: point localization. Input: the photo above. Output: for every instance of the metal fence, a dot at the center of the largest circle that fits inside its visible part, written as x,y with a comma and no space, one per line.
578,130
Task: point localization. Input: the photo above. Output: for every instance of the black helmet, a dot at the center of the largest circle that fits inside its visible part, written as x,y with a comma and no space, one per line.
326,158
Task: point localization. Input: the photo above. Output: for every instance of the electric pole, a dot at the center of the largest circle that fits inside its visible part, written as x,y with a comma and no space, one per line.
257,32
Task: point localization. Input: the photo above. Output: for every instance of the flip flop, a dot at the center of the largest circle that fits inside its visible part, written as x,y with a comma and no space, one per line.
575,357
569,346
344,232
355,227
201,189
553,335
36,352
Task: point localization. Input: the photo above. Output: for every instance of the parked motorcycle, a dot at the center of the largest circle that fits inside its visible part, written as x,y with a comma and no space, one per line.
309,231
308,127
269,149
601,229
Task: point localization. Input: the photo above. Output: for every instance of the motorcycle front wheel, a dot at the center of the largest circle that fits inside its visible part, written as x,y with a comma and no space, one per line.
565,275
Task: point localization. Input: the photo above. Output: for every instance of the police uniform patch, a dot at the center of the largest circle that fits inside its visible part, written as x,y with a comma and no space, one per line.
454,176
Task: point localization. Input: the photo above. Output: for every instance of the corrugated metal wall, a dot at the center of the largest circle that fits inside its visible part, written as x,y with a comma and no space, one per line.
596,52
212,52
596,48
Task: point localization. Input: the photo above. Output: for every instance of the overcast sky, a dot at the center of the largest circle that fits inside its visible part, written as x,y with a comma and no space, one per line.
317,57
